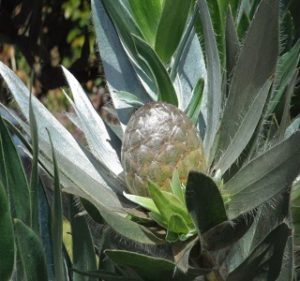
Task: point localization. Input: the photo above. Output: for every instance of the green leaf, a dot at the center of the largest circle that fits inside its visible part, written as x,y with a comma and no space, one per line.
158,268
145,202
84,256
265,176
256,64
174,16
245,129
296,224
264,263
31,252
176,186
166,91
204,202
57,222
15,178
194,107
176,224
167,204
214,79
7,245
34,178
147,15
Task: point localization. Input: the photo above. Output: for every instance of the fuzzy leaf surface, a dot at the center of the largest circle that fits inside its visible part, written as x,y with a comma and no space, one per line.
256,64
265,176
204,202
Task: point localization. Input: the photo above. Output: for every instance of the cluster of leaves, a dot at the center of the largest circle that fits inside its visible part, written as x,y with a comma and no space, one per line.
249,237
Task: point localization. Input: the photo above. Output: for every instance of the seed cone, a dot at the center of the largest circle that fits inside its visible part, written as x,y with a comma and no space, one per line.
159,138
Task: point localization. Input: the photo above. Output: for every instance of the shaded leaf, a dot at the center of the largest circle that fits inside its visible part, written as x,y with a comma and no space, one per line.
265,260
31,252
15,179
256,64
146,266
214,78
7,244
245,129
57,223
84,256
204,202
265,176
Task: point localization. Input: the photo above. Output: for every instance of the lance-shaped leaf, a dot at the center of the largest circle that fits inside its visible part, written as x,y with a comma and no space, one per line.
34,178
57,222
119,72
265,176
204,202
265,260
174,16
84,256
31,252
166,91
14,176
68,152
256,64
157,268
245,130
147,15
232,43
7,245
93,126
214,78
194,106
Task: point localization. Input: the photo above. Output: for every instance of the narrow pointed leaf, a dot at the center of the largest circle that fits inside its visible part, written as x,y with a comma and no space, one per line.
93,126
174,16
31,252
57,223
256,64
87,179
119,72
232,44
265,176
194,107
16,181
162,79
84,256
7,245
265,260
214,78
245,130
34,171
204,202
